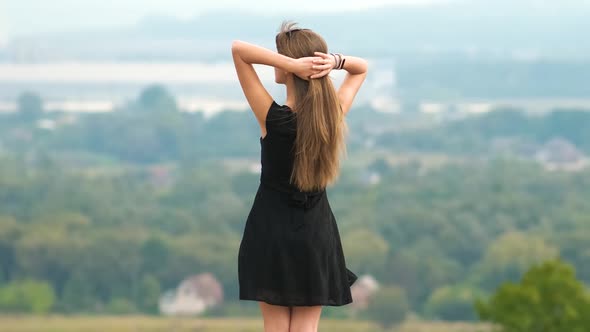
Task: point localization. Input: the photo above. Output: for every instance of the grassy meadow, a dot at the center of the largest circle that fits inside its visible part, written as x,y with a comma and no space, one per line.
24,323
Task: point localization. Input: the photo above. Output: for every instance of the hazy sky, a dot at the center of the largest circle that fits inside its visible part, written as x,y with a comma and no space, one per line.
21,17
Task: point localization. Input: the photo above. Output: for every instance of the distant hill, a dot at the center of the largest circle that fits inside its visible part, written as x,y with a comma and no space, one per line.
491,29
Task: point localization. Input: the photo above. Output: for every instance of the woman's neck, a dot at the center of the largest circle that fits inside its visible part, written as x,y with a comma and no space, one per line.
290,85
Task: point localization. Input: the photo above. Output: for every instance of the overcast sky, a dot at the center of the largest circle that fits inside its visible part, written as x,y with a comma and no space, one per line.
22,17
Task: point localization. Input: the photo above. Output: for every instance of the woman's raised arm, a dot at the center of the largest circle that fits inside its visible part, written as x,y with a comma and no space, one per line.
246,54
356,73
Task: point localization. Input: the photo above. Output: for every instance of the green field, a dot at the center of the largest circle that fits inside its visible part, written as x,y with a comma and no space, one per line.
157,324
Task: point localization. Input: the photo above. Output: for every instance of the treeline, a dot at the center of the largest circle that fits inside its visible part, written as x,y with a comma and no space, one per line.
103,214
103,241
108,243
152,129
477,135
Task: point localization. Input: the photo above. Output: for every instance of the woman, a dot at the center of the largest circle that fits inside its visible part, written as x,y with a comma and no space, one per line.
290,258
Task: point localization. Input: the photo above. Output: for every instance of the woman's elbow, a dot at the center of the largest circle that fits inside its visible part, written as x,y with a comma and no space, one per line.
364,66
236,45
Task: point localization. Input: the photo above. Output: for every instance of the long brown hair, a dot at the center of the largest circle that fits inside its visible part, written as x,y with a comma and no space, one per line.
320,122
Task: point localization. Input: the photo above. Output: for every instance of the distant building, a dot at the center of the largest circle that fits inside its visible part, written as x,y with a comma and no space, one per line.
161,176
362,290
193,296
46,124
370,178
52,124
21,134
561,154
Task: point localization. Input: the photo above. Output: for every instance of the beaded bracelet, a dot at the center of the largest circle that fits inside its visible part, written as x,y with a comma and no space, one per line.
339,60
335,59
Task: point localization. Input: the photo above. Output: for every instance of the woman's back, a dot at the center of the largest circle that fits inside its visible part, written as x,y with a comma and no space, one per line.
277,147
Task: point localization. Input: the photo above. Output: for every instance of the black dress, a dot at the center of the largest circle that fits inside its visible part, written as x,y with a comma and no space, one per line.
290,253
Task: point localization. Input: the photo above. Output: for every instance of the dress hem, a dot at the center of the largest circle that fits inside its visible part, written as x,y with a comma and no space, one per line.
296,304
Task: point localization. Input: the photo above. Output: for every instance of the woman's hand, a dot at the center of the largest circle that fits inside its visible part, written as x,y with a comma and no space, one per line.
314,66
323,65
304,67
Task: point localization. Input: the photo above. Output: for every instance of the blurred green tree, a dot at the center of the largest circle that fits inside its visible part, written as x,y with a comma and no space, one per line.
30,106
156,99
549,298
509,257
78,295
452,303
120,306
389,306
366,251
148,294
28,295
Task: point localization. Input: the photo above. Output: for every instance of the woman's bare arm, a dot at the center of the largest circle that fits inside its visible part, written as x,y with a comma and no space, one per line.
356,72
245,55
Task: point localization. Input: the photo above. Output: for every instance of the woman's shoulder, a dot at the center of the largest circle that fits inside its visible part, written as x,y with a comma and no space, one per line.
279,107
278,111
279,116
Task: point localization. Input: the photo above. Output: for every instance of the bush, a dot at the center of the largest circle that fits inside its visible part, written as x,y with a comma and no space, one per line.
120,306
389,306
452,304
27,296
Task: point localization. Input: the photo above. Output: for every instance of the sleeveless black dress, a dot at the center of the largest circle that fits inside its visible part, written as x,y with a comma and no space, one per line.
290,253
